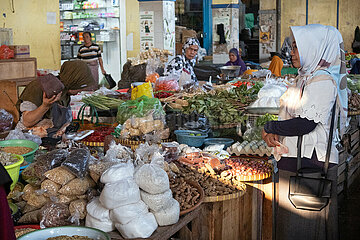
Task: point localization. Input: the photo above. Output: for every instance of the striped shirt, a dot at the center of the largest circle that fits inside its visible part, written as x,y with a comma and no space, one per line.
89,54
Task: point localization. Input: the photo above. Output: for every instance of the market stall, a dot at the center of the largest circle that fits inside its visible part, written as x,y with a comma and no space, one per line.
192,164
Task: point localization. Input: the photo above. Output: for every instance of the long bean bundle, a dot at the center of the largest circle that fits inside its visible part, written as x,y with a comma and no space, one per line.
102,102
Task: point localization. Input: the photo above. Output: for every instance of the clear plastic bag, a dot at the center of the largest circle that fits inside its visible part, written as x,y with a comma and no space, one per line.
77,208
105,225
6,120
54,215
118,172
152,179
119,193
171,151
57,157
78,162
60,175
167,83
126,213
15,134
144,153
140,107
169,215
151,66
96,210
34,173
141,227
157,201
118,153
77,186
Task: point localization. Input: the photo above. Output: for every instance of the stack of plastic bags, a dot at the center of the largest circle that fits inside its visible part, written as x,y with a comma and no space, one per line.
156,193
120,206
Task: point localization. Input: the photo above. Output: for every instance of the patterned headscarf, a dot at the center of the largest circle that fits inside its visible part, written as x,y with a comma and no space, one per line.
180,62
322,47
190,42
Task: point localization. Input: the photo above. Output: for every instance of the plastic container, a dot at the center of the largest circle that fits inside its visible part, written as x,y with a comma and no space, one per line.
217,141
29,157
190,137
14,169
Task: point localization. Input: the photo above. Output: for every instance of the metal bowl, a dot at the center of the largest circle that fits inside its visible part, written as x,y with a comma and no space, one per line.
230,71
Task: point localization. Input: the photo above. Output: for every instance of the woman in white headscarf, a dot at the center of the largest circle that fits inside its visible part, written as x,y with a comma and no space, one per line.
306,107
182,66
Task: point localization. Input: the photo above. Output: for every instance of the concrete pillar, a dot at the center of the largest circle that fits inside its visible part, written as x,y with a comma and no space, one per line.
157,24
225,12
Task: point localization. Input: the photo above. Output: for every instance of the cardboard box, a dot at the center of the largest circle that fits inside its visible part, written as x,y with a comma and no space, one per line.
178,33
178,48
20,51
15,69
188,34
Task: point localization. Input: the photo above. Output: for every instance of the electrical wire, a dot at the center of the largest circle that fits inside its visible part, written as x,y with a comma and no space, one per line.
12,6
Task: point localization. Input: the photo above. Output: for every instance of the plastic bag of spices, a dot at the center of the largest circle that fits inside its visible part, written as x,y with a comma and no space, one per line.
78,162
54,215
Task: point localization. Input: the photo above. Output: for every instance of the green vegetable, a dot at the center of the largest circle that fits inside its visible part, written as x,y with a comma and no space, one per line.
224,107
199,134
191,134
262,120
102,102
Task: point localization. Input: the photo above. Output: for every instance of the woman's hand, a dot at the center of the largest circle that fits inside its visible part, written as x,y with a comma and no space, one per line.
272,140
47,102
103,71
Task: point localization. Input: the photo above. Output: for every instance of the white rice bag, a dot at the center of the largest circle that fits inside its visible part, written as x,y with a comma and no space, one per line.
96,210
152,179
120,193
118,172
168,215
126,213
141,227
157,201
106,226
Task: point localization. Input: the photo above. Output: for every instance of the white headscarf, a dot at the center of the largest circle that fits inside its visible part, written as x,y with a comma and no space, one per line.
322,46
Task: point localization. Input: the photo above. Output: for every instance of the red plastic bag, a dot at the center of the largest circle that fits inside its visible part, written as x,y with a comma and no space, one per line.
6,52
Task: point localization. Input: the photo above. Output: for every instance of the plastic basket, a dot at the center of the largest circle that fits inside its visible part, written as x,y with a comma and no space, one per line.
28,157
184,137
13,170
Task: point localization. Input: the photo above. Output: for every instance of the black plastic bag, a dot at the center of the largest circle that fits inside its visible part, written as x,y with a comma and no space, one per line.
78,162
110,81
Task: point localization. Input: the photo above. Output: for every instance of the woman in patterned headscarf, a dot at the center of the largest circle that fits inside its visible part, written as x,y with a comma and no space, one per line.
36,110
182,66
305,110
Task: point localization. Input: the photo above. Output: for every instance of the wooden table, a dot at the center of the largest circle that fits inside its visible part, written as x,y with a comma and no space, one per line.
163,233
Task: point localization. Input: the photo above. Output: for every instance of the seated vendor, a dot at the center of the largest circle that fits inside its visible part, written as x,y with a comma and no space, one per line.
276,65
235,60
50,116
182,66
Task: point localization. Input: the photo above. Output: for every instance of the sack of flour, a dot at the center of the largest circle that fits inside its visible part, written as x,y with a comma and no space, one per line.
120,193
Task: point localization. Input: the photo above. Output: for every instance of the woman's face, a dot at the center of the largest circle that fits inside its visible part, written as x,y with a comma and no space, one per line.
191,51
87,38
295,57
232,57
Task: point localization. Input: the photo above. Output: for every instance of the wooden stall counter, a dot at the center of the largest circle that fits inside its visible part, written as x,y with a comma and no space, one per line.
247,217
163,233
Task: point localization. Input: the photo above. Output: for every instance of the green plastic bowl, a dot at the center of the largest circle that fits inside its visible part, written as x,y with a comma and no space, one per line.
13,170
28,157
